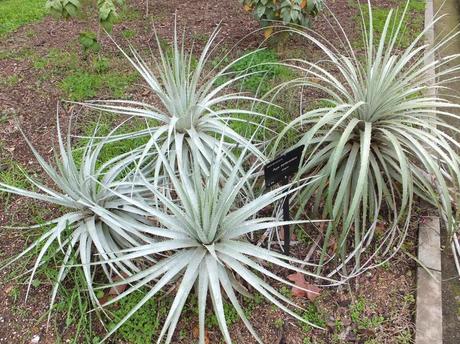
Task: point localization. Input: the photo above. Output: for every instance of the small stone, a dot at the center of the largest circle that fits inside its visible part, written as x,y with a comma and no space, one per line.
35,339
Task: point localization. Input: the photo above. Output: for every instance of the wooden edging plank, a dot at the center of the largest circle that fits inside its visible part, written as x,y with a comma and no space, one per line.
429,294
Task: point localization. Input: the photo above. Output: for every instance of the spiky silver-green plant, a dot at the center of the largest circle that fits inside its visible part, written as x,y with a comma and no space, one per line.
194,111
210,250
93,226
382,141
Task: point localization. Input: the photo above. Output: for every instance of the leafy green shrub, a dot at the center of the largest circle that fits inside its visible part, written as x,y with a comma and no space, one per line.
107,9
382,144
88,41
288,11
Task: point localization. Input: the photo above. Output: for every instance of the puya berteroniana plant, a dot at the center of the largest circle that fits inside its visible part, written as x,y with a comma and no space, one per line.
196,107
210,252
382,141
93,226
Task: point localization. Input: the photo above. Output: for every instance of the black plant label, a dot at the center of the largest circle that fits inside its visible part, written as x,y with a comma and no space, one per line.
284,166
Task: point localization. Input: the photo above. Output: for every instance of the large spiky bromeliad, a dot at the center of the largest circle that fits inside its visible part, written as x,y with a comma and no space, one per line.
210,252
382,141
93,226
197,104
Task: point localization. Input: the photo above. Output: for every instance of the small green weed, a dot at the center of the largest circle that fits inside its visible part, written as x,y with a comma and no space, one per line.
15,292
127,33
56,61
405,337
363,322
231,317
312,315
88,41
12,174
251,303
307,340
200,37
285,291
301,235
409,298
10,81
279,323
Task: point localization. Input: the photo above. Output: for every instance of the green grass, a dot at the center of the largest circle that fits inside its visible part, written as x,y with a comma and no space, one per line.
15,13
11,174
17,55
83,85
84,80
263,63
414,20
104,126
55,61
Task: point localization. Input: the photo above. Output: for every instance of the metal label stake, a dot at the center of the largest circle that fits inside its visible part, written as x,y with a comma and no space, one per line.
278,171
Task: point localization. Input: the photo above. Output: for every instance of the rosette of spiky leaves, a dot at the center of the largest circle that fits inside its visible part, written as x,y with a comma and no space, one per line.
211,251
92,227
195,111
382,141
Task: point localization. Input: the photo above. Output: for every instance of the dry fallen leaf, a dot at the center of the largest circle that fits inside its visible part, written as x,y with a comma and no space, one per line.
196,334
312,291
118,289
268,32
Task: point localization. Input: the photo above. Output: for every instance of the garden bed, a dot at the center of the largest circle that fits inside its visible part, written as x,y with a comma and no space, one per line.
44,62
